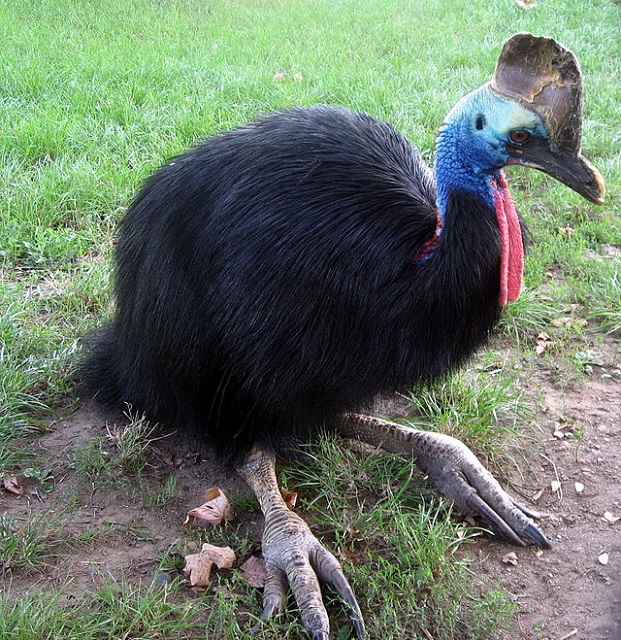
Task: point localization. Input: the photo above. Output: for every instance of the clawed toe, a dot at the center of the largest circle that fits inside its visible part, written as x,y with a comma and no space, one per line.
294,558
533,532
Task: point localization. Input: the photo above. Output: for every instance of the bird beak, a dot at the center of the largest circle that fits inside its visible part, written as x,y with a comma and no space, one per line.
545,77
572,169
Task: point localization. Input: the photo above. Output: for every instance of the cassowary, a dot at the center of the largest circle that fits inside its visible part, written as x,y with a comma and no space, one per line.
277,278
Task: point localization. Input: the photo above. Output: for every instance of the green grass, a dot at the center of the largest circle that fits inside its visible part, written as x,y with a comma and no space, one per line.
114,611
95,95
28,542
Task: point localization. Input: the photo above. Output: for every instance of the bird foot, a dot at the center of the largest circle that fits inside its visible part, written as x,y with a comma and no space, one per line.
459,475
294,558
456,472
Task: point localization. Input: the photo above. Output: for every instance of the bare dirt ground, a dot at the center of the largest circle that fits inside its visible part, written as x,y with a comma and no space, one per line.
572,592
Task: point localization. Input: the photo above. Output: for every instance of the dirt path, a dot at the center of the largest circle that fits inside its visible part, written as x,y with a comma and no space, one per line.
568,592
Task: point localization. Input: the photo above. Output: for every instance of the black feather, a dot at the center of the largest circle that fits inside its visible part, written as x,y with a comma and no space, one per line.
266,281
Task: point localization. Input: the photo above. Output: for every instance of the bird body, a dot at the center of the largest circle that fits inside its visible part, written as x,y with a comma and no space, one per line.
267,280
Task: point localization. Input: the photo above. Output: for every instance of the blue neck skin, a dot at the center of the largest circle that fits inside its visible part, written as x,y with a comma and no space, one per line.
471,144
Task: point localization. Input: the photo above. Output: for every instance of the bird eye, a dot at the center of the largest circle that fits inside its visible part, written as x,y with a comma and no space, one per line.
519,136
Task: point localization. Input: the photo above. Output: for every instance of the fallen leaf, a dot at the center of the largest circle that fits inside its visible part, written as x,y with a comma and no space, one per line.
537,495
216,509
603,558
253,571
563,321
543,343
288,77
555,485
566,231
579,487
198,565
510,558
12,486
289,498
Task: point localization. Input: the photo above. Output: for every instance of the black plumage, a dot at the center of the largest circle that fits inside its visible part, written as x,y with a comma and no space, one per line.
271,278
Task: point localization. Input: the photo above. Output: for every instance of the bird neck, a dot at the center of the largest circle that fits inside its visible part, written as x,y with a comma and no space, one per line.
458,167
459,170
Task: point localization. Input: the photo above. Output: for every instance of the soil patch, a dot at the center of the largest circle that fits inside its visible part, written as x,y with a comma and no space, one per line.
567,592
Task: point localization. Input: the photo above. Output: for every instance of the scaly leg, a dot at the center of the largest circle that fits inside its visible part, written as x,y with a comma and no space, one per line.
293,556
454,470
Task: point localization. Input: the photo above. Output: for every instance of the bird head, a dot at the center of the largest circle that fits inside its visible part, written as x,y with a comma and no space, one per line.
529,114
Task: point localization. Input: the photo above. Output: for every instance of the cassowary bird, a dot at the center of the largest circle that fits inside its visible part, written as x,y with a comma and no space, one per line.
277,278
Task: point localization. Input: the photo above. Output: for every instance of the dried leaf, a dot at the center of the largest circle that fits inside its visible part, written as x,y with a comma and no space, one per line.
198,565
555,485
12,486
216,509
288,77
603,558
537,495
609,517
510,558
566,231
579,487
543,342
289,498
253,571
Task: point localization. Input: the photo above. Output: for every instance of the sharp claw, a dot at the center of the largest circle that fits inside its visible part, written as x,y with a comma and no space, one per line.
499,525
269,610
274,592
536,535
329,570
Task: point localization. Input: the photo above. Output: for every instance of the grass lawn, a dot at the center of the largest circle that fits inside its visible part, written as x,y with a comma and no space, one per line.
94,96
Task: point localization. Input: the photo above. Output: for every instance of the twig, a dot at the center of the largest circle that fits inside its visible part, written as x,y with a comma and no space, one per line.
560,489
571,634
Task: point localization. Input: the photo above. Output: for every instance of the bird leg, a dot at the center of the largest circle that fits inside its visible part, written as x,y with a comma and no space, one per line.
293,556
455,471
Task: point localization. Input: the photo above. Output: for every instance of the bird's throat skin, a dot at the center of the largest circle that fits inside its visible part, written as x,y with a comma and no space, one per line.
512,245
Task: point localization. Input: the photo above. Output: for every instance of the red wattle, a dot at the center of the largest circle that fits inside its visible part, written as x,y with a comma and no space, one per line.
512,247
